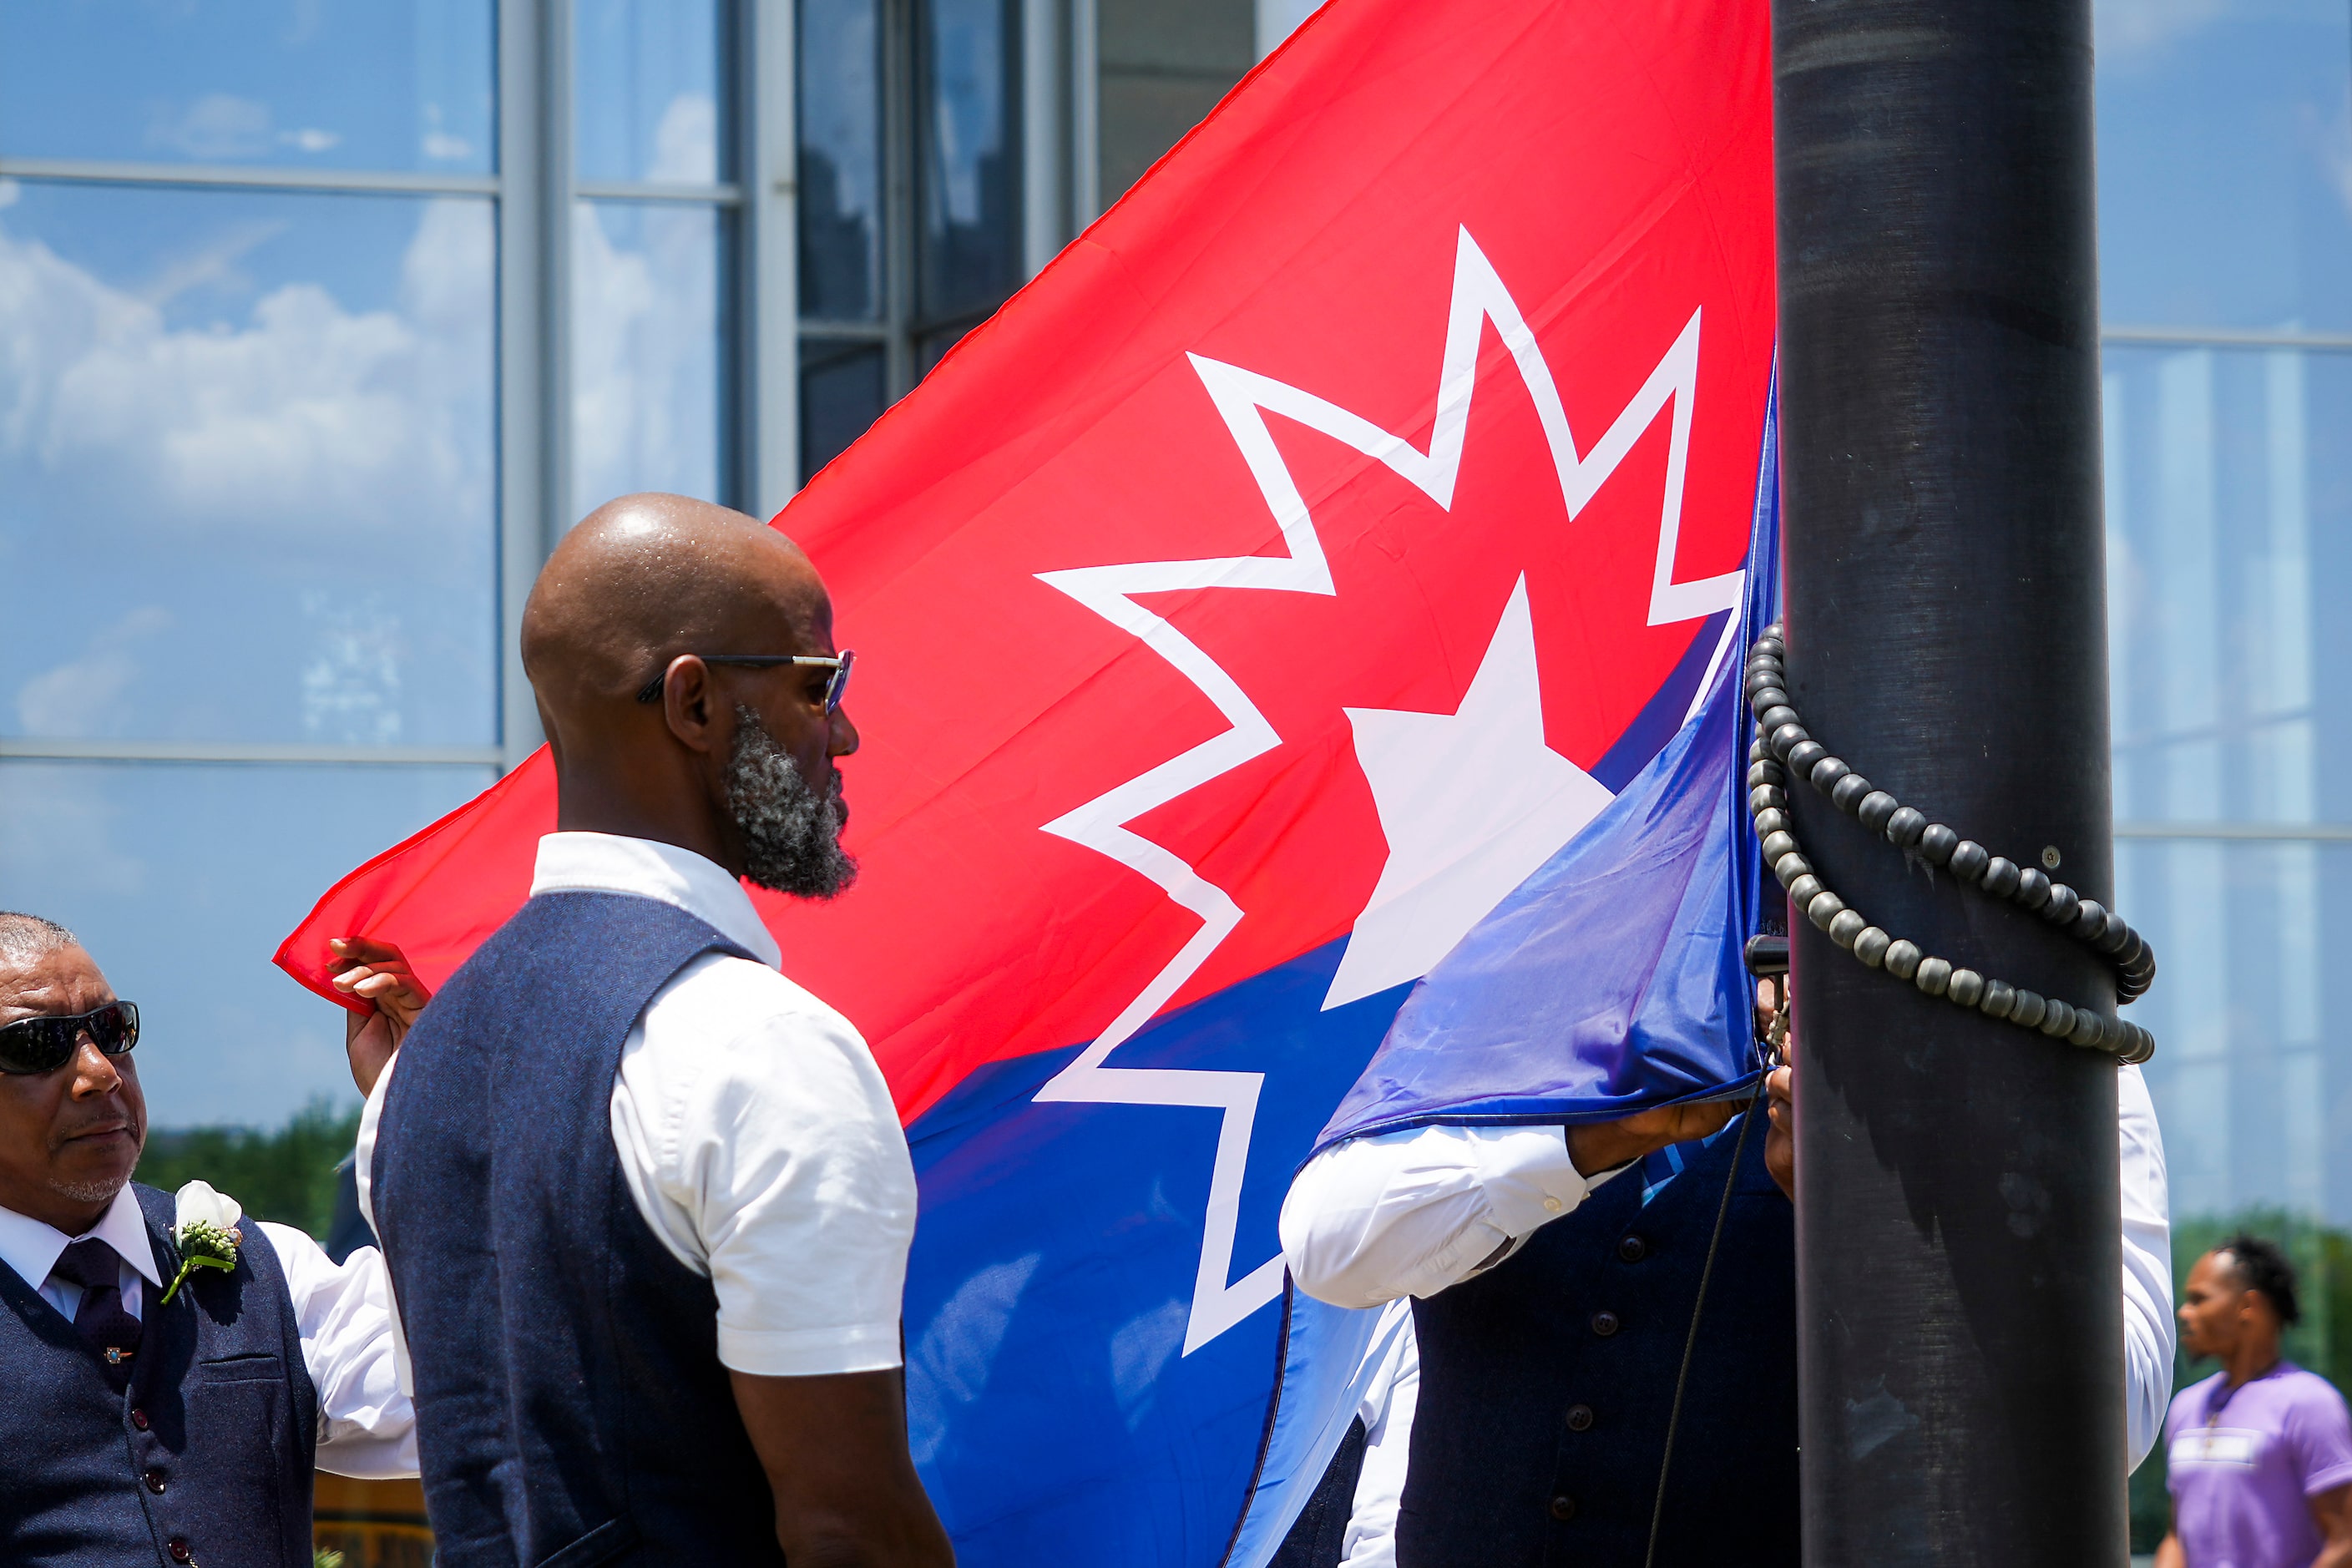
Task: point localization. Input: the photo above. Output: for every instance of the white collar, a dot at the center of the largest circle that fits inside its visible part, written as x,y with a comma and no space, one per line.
31,1247
647,868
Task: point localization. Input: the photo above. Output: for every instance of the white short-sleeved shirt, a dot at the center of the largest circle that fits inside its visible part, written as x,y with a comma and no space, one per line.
755,1133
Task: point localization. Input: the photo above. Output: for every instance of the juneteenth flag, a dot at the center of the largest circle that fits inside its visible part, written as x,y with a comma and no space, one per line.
1337,553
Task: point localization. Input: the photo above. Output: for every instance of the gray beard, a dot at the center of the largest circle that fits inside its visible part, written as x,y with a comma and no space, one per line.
791,835
89,1192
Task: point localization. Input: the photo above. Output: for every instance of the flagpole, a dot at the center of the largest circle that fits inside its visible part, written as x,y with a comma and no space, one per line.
1958,1259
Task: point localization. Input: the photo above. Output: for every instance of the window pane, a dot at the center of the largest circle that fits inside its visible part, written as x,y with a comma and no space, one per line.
2229,516
381,86
650,100
934,347
969,257
182,879
841,395
648,355
2251,1113
246,474
2225,130
841,160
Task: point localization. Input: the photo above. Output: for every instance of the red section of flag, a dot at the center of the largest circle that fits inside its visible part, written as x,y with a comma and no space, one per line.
1613,167
438,893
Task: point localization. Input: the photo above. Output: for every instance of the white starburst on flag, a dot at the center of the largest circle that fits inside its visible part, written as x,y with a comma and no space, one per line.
1243,398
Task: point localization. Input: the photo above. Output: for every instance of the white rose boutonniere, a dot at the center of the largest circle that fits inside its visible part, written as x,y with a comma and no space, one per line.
204,1230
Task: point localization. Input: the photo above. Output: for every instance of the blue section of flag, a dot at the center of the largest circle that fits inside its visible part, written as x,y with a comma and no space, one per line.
1050,1407
1612,980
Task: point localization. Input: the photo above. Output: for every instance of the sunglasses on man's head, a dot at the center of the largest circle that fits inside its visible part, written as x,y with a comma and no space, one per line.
46,1043
834,689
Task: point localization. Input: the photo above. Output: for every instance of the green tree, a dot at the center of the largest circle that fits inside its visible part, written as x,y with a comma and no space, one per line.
286,1174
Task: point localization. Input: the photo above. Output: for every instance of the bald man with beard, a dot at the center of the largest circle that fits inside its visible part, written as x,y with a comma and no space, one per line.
645,1202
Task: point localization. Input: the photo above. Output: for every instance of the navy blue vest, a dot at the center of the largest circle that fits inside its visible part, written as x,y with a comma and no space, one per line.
207,1458
1545,1386
570,1408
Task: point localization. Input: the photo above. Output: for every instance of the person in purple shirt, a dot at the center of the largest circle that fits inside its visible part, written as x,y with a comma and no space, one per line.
2260,1453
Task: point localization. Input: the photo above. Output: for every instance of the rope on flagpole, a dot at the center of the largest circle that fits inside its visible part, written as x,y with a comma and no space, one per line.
1783,747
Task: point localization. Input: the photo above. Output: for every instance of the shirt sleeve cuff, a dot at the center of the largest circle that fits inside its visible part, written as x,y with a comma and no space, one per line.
1528,1179
809,1353
2327,1480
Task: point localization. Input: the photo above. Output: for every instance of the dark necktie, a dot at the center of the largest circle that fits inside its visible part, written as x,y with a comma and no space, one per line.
110,1331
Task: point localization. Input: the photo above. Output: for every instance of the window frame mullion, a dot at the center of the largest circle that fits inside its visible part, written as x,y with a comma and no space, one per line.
767,378
533,58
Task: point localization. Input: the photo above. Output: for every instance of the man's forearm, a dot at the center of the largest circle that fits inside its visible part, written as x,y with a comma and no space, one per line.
841,1544
2169,1553
834,1448
2331,1512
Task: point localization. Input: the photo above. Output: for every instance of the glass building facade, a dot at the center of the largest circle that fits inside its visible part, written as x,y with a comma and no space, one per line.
2225,175
2225,249
319,322
2226,268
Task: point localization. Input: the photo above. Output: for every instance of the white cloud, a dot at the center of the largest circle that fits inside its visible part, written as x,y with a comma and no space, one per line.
73,700
440,144
212,264
217,126
2126,32
686,143
644,355
306,417
221,127
311,420
351,683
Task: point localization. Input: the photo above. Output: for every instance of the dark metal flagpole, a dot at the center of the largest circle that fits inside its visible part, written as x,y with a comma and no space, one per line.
1958,1260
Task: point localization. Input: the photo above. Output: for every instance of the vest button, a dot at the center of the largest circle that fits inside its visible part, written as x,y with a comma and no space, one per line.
139,1418
154,1479
1605,1324
1580,1418
1563,1507
180,1549
1632,1249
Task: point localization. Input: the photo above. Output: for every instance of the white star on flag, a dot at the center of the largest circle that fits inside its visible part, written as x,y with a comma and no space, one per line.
1244,399
1471,803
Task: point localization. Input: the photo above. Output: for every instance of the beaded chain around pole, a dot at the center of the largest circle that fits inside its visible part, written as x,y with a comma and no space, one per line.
1783,747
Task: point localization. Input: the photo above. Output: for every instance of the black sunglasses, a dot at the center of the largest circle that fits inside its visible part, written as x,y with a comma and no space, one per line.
45,1044
834,689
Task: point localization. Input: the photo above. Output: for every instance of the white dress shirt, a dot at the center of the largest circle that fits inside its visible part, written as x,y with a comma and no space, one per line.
342,1311
1386,1410
1409,1212
755,1133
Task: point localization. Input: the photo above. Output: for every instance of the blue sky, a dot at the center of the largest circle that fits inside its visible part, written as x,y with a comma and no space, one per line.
311,83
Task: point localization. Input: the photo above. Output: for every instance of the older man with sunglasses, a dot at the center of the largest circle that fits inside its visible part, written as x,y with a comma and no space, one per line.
141,1422
646,1200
